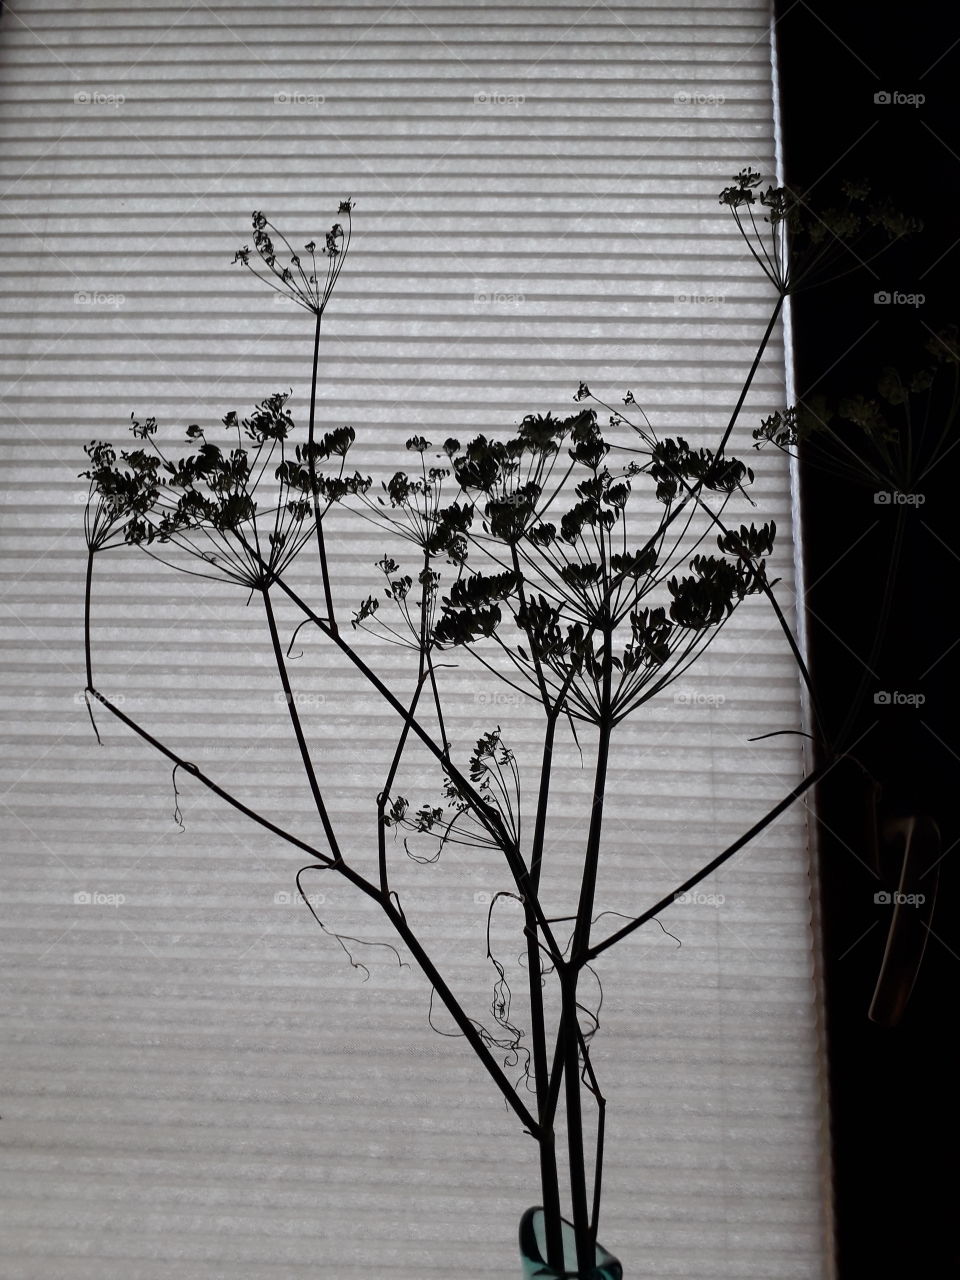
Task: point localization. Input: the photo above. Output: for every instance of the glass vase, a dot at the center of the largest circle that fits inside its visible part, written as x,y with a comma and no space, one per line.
533,1252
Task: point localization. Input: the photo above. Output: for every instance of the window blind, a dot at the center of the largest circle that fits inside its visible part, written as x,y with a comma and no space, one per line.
199,1081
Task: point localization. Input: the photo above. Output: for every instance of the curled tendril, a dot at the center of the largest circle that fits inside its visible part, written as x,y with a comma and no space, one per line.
177,813
343,938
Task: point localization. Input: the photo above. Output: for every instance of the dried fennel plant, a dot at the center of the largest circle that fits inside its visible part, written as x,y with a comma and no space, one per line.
526,552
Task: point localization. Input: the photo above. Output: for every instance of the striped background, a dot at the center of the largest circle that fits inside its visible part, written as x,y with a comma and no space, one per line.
197,1083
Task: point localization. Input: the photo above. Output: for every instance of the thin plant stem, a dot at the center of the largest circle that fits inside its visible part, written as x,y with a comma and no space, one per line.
553,1229
388,784
372,891
813,777
778,612
298,727
579,944
326,862
489,818
571,1072
601,1134
399,922
312,464
748,381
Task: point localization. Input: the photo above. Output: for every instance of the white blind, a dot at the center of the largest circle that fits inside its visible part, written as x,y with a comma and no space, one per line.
197,1083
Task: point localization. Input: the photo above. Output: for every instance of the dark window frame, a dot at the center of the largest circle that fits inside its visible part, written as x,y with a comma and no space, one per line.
892,1089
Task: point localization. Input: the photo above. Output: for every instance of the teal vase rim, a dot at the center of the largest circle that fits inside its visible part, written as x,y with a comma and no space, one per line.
606,1266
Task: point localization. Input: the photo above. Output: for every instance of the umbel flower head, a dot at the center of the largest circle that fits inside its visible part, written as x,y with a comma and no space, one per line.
846,234
307,286
206,503
553,578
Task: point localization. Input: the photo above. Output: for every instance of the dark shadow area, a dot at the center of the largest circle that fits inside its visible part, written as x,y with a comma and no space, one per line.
895,1124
